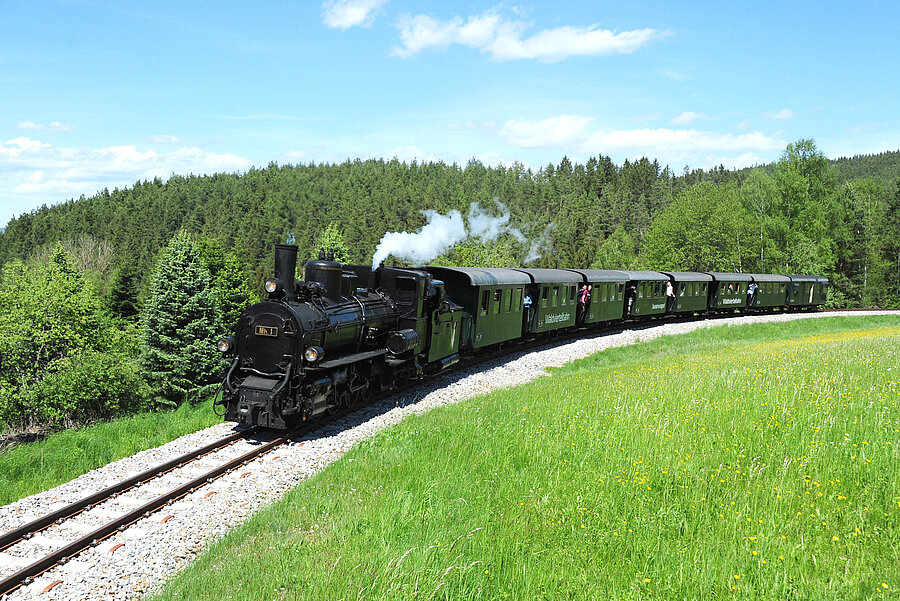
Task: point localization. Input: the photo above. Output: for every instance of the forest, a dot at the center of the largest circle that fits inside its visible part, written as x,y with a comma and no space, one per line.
107,301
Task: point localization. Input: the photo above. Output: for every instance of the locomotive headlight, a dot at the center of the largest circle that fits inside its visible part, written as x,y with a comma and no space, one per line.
313,354
225,344
271,285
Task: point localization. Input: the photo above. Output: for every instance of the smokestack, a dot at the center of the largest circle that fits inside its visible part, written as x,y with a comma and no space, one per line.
286,268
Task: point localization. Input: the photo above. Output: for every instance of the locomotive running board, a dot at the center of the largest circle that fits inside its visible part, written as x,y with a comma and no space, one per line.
349,359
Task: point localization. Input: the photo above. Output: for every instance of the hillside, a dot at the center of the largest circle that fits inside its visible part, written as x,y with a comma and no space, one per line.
596,214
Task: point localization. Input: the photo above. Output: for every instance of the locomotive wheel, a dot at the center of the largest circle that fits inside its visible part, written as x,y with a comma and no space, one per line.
352,399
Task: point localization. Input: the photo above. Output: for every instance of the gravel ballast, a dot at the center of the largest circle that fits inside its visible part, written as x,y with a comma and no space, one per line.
150,551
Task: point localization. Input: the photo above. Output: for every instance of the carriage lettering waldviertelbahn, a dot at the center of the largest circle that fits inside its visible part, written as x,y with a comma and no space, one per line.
349,331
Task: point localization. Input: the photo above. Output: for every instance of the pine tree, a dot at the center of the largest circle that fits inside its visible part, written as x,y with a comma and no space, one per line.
181,322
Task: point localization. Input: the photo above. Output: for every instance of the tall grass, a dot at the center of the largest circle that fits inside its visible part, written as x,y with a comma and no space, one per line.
26,469
756,462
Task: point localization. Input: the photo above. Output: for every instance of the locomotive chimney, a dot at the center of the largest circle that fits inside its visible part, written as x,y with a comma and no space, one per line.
286,268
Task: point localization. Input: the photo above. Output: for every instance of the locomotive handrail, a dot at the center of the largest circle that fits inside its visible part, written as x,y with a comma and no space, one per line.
274,374
227,381
280,387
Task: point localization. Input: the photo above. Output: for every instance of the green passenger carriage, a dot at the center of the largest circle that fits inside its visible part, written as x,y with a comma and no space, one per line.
492,300
645,293
807,291
771,291
729,291
691,289
554,299
607,294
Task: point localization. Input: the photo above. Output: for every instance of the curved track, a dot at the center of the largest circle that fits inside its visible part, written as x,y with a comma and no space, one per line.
60,555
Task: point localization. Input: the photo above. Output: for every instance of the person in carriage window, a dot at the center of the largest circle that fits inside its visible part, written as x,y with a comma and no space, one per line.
670,296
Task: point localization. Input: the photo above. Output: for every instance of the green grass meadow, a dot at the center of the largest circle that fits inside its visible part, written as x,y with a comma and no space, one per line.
27,469
753,462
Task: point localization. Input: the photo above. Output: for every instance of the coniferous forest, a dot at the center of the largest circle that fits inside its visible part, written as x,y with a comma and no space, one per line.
107,301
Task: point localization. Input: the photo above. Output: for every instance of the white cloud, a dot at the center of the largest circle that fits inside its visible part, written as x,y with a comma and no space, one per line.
344,14
503,38
573,134
164,139
52,126
37,168
688,117
559,131
779,115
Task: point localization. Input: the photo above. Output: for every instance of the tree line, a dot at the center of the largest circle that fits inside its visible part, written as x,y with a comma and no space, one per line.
110,299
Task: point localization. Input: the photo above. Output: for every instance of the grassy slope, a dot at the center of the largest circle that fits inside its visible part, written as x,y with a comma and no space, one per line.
30,468
757,462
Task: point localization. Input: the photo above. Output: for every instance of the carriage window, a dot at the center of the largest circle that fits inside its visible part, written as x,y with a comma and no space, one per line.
572,293
681,288
782,288
703,288
641,291
737,288
554,299
484,301
518,299
602,288
507,300
723,288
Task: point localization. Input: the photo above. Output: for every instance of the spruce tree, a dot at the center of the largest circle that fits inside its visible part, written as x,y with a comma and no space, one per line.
181,323
232,290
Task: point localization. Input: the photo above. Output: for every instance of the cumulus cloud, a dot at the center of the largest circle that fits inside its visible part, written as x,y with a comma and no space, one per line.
562,130
578,134
52,126
344,14
37,168
504,39
779,115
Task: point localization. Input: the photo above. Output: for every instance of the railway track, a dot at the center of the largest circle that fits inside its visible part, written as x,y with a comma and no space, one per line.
70,549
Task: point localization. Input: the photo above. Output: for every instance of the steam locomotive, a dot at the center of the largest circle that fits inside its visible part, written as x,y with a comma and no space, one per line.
350,331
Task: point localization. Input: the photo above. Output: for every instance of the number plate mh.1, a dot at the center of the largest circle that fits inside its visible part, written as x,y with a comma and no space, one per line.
270,331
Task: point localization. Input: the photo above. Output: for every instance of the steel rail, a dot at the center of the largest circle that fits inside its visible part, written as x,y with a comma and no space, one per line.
14,536
63,554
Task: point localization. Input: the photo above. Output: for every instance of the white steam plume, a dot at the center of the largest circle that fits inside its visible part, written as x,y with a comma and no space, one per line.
441,232
534,252
489,228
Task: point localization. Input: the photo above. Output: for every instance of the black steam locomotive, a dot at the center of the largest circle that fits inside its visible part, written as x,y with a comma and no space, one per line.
349,331
319,344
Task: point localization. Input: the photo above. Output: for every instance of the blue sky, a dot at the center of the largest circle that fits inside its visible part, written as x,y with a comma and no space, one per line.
98,94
